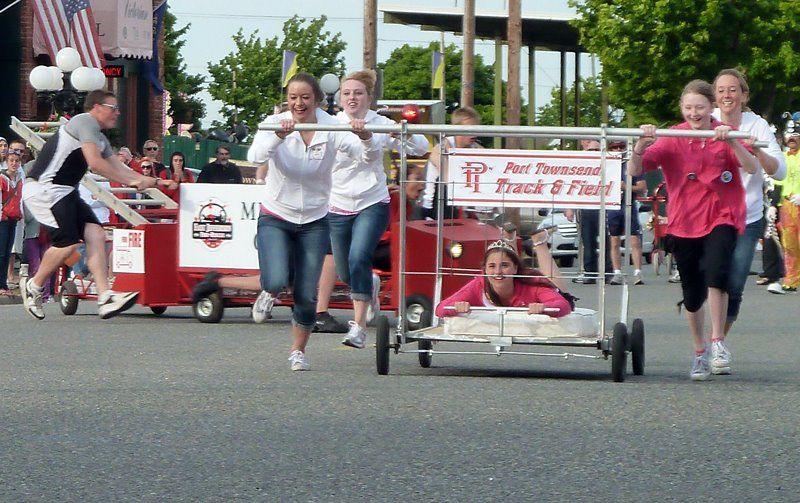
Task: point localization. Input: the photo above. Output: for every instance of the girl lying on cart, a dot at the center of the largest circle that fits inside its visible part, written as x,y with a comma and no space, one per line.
507,282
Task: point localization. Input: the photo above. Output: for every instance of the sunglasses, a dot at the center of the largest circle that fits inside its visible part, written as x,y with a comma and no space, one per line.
151,148
112,107
15,151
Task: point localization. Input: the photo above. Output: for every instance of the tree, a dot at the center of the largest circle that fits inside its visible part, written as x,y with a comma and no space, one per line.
591,109
182,86
257,66
651,48
407,76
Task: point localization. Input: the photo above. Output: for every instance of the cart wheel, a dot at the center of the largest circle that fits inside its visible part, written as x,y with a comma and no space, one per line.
419,309
637,347
158,310
68,298
209,309
382,345
618,345
425,358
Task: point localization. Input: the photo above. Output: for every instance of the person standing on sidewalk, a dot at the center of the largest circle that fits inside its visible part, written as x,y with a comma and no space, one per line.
790,215
732,93
10,213
706,212
359,206
50,193
293,231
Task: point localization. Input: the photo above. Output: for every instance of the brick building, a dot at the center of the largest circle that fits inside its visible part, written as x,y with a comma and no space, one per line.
141,105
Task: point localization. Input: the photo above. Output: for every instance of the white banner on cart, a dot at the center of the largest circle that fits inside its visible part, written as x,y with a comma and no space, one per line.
217,226
128,251
532,178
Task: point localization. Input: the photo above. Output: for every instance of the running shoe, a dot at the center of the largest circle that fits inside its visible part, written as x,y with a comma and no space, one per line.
375,303
112,303
675,277
262,308
720,358
298,361
700,368
637,277
616,279
789,289
356,337
206,286
326,323
32,299
775,288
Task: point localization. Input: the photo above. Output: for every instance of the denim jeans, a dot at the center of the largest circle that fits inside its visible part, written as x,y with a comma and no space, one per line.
292,254
8,229
590,231
740,265
354,239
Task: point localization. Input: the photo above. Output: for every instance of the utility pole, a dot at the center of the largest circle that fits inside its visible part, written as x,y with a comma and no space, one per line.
443,89
468,58
514,48
370,34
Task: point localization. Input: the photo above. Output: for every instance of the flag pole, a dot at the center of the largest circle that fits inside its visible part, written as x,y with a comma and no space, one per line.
9,6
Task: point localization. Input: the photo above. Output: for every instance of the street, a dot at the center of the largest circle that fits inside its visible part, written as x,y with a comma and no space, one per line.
146,408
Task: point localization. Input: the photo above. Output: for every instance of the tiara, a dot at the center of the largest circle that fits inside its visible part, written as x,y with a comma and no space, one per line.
501,244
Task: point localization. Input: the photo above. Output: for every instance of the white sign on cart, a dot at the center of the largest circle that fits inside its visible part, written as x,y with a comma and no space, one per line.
217,226
532,178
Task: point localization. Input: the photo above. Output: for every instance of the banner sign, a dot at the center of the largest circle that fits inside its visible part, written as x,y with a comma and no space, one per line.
128,254
217,226
532,178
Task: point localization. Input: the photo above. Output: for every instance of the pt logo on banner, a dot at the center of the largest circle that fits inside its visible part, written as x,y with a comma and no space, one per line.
212,225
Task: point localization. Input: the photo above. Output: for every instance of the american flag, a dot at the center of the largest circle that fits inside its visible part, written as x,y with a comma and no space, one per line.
69,23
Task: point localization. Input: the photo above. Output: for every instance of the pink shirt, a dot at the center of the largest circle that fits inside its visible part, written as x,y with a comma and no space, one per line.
524,294
703,182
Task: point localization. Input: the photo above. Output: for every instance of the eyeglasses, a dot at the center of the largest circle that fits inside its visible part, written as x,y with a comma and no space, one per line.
109,105
15,151
151,148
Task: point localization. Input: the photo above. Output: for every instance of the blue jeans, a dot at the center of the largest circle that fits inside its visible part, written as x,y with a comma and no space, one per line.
292,254
740,265
354,239
8,229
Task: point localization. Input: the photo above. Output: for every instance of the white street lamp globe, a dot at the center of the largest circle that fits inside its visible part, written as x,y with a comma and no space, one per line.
57,79
98,79
68,59
40,78
82,79
329,83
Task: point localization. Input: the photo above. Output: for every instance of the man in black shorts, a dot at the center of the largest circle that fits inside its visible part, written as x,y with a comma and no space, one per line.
51,195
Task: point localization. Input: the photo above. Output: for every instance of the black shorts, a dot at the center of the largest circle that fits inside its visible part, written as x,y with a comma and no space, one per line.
703,263
71,214
616,222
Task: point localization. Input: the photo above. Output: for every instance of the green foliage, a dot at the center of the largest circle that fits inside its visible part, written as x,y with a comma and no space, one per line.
591,109
257,64
651,48
185,107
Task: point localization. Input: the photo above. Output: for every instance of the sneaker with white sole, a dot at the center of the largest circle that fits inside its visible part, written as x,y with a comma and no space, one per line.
720,358
375,303
262,308
775,288
675,277
616,279
701,371
356,337
298,360
32,299
112,303
637,277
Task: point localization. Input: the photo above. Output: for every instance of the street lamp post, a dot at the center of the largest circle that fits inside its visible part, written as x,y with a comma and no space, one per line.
330,86
66,95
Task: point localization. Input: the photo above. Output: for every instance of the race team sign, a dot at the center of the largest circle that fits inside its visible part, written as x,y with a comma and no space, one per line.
532,178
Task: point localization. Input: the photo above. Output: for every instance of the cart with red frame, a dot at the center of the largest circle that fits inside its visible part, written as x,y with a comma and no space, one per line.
658,223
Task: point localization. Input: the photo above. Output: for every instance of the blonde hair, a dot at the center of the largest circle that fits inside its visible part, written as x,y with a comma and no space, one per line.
463,114
366,77
733,72
700,87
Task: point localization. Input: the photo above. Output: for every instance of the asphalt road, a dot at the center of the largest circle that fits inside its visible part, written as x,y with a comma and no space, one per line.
141,408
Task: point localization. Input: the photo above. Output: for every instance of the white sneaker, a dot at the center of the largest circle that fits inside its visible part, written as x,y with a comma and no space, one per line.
298,360
32,299
262,308
112,303
775,288
720,358
616,279
375,303
356,337
700,368
637,277
675,277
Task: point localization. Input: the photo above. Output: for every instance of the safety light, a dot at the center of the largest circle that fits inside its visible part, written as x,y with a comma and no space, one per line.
456,250
410,113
